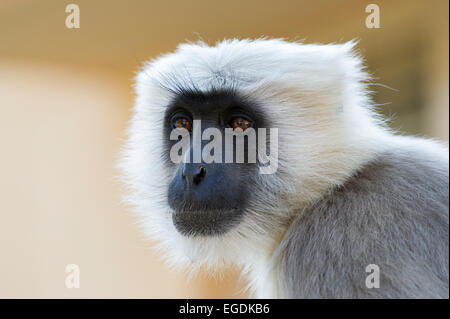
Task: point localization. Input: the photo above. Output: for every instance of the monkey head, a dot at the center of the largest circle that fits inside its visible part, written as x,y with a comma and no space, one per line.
290,110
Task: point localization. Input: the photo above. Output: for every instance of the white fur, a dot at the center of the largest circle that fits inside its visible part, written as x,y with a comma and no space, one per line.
315,94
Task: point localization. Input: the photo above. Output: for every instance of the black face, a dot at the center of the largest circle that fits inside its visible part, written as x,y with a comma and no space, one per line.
210,198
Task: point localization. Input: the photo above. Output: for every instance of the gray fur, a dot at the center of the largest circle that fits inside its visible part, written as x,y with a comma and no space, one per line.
394,213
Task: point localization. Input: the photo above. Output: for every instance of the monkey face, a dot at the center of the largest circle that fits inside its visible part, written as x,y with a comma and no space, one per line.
208,193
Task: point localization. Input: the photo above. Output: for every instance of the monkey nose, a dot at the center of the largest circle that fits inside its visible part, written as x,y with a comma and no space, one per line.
193,173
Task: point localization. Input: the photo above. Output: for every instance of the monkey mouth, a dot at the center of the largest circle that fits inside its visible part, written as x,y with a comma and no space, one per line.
206,222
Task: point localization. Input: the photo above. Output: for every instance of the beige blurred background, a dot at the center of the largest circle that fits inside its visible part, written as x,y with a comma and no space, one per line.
66,95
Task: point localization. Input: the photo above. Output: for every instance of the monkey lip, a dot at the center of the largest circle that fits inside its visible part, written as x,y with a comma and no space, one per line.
206,222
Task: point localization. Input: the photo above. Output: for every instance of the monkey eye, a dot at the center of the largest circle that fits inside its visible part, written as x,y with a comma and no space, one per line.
182,122
240,122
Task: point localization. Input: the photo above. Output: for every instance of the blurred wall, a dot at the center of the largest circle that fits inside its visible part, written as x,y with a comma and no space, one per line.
61,203
65,98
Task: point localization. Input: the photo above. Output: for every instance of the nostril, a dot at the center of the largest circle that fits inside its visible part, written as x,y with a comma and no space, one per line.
193,174
199,176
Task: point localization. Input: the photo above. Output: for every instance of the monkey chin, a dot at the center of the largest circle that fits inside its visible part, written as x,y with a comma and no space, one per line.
205,223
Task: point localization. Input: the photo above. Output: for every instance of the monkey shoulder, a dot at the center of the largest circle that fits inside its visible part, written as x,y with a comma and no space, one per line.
393,213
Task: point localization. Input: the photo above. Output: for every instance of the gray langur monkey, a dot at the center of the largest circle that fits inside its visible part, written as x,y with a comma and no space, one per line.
347,194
